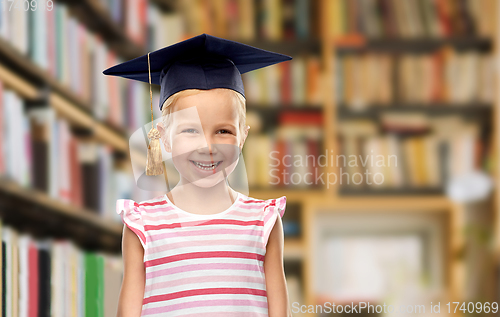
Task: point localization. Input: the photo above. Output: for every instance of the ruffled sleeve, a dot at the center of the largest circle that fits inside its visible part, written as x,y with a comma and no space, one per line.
272,209
131,217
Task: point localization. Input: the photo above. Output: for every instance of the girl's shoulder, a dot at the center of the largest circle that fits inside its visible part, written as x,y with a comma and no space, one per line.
153,202
140,207
134,214
265,205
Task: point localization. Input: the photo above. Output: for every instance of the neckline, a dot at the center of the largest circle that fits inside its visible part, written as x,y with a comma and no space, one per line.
236,200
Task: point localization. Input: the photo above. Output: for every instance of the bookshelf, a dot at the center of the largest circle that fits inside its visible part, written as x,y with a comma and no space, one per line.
410,200
418,45
43,216
288,47
49,227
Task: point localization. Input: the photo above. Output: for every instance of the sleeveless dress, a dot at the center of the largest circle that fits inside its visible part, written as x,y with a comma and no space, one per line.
203,264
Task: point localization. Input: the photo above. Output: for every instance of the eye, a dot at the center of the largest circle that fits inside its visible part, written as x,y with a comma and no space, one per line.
189,130
224,131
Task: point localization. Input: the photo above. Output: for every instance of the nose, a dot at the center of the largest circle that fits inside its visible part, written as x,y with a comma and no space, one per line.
209,146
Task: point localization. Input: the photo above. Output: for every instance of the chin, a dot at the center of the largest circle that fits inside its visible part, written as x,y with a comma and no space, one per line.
208,182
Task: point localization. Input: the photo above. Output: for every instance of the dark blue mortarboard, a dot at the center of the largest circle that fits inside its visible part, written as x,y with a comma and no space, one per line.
201,62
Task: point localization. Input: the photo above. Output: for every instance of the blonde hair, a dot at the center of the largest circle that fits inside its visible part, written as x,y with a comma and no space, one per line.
168,107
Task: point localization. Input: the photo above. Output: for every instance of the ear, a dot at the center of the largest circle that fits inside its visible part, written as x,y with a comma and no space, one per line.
164,137
244,136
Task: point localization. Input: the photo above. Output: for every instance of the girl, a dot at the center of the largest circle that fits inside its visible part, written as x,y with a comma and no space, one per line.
203,248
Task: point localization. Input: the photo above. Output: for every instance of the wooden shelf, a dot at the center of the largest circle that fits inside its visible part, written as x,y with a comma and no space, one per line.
481,110
416,45
16,83
166,5
288,47
376,204
270,114
96,18
43,216
346,191
269,108
292,194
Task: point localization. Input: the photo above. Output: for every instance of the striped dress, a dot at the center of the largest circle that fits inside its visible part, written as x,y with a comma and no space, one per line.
203,264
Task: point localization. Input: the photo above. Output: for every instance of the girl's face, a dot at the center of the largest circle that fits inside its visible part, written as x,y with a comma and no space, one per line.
203,137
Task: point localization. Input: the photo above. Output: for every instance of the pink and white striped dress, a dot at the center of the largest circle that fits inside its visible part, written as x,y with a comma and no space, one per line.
203,264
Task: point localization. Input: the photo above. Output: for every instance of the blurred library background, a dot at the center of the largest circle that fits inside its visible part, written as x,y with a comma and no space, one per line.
405,93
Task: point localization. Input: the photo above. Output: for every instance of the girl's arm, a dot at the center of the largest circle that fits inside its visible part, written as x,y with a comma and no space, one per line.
277,293
134,276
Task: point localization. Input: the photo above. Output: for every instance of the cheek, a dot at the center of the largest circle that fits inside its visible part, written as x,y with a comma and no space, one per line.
179,143
181,150
228,141
230,151
183,143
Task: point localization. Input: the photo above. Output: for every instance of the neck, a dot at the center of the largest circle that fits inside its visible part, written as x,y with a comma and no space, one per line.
187,190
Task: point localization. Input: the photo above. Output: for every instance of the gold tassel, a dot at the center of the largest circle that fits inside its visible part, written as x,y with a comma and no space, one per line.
154,162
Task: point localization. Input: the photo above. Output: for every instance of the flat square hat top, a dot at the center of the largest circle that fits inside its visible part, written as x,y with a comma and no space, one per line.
201,62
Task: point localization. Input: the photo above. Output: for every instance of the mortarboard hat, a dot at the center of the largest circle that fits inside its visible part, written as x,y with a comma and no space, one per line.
201,62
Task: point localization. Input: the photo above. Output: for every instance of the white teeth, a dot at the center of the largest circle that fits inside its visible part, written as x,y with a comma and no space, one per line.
207,167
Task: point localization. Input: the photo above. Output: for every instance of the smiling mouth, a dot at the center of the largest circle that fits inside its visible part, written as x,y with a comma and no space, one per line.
206,166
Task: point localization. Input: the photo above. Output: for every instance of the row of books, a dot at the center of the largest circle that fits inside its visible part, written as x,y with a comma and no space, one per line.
296,82
445,76
250,19
54,40
69,53
164,28
285,157
38,150
145,23
411,18
131,16
436,150
44,277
